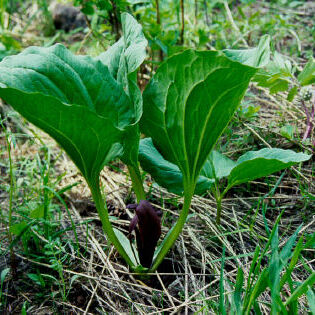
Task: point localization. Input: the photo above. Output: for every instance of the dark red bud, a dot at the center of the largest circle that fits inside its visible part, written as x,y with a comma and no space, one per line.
147,223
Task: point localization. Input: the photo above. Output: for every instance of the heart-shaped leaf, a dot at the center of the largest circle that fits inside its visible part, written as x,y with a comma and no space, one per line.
251,165
256,164
165,173
189,102
73,98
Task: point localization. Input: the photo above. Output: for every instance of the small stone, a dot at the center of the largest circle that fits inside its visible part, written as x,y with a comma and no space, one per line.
68,18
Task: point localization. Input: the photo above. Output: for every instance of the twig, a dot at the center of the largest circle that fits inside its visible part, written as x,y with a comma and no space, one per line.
165,290
230,17
183,22
309,120
257,135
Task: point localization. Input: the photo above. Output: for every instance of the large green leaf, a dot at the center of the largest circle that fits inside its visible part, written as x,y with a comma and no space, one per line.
73,98
126,55
277,75
251,165
88,138
255,57
123,60
307,76
217,166
256,164
80,104
189,102
78,80
165,173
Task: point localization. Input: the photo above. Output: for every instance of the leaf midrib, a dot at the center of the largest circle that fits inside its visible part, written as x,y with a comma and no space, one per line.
184,118
88,96
207,120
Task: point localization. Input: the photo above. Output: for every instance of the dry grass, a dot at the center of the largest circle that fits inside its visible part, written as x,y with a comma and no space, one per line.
189,279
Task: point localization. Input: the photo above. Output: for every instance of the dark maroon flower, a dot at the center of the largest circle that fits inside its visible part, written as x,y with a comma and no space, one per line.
147,224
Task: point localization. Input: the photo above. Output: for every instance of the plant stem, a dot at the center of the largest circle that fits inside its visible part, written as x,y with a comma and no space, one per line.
3,7
309,120
107,227
12,254
46,199
158,22
11,184
234,26
218,197
137,182
176,230
116,24
206,12
183,22
46,207
196,12
219,211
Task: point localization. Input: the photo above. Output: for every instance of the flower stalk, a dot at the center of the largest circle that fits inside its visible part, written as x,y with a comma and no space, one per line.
107,226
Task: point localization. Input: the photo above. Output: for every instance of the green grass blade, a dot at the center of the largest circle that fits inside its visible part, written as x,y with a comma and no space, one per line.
251,277
237,296
311,300
274,274
286,252
259,287
222,306
301,289
295,257
268,243
256,308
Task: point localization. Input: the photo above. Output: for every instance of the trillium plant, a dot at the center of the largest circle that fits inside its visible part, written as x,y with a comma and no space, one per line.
94,109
